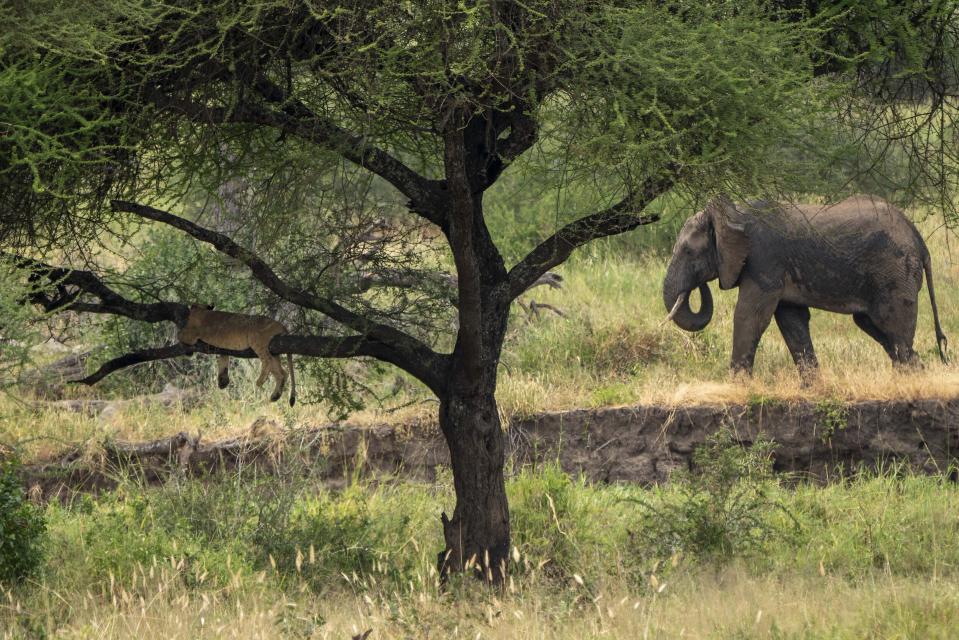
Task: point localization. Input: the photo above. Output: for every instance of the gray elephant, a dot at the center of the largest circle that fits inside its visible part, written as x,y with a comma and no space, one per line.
861,256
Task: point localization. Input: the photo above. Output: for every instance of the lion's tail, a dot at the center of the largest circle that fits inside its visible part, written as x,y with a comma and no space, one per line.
289,361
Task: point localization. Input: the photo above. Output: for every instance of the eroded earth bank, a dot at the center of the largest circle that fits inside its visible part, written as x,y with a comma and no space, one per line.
635,444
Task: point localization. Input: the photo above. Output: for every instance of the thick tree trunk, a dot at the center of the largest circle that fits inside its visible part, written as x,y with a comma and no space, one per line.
478,535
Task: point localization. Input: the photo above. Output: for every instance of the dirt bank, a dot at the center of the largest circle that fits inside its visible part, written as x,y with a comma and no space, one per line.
640,444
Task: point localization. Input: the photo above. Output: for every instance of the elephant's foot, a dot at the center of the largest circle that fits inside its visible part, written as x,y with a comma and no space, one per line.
740,374
808,376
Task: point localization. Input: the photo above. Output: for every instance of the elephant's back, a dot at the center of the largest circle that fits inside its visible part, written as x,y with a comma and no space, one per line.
859,212
867,236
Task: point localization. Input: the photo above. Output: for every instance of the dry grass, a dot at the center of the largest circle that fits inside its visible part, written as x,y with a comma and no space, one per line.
729,603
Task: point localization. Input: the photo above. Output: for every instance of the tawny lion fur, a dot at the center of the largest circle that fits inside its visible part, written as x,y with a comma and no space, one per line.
239,332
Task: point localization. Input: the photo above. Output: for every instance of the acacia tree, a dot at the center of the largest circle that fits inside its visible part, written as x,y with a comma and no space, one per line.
157,104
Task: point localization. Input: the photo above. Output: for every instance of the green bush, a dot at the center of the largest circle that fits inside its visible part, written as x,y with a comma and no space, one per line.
22,529
553,519
722,509
119,535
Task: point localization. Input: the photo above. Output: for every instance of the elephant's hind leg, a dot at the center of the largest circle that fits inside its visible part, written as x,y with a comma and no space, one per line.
896,342
865,323
793,324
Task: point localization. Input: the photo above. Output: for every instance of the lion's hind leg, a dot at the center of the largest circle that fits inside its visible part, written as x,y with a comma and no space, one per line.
280,376
271,365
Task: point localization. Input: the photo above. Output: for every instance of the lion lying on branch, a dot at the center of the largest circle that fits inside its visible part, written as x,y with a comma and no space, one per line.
239,332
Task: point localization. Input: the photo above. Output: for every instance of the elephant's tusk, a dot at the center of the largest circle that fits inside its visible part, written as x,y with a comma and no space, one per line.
679,302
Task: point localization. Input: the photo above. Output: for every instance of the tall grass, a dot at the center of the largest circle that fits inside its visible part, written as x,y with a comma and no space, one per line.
875,556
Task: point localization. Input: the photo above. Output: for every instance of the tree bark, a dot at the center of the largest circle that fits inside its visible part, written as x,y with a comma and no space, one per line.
478,535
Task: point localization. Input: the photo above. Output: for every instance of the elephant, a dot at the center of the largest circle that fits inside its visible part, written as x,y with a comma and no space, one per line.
861,256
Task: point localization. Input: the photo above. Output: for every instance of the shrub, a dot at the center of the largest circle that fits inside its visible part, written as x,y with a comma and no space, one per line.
722,509
22,528
546,518
291,526
118,535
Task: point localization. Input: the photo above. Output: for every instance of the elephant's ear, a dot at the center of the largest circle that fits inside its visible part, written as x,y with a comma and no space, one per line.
732,241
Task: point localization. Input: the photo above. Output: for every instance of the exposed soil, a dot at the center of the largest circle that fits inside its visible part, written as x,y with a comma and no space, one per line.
640,444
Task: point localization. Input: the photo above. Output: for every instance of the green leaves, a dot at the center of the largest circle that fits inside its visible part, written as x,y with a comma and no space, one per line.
715,89
22,529
726,507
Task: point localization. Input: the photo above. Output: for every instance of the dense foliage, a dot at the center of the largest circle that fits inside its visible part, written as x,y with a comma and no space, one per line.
22,529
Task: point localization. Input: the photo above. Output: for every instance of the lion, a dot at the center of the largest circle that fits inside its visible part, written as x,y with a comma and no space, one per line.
239,332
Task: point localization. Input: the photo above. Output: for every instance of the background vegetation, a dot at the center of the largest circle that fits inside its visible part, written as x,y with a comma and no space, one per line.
729,553
611,348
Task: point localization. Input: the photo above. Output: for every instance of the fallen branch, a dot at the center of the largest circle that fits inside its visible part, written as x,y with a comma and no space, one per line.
532,311
170,396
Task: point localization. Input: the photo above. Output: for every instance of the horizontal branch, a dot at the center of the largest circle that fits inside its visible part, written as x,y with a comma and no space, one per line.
87,282
132,359
553,251
314,346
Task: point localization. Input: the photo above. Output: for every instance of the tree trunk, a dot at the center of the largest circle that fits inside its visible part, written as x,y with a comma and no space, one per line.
478,536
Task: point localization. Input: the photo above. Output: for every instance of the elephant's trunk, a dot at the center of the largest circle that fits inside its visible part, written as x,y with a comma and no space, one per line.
683,316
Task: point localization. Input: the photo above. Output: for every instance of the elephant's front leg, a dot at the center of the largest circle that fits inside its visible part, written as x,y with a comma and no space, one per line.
754,310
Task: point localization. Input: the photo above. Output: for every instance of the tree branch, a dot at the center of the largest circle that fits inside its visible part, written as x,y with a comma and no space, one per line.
132,359
87,282
404,344
558,247
523,131
315,346
446,282
429,366
297,119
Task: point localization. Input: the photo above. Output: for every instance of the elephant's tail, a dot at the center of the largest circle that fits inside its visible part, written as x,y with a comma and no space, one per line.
941,341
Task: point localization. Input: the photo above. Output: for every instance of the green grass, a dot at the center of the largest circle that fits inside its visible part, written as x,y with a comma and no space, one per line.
874,557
